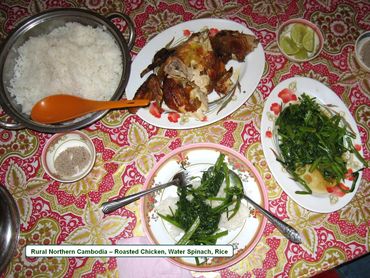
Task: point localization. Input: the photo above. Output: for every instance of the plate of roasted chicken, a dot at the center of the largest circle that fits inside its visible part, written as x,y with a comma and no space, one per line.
196,73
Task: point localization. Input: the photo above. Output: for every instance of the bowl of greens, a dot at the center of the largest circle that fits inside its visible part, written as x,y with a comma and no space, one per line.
211,210
312,144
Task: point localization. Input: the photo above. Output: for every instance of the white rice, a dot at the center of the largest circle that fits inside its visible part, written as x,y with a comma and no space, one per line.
75,59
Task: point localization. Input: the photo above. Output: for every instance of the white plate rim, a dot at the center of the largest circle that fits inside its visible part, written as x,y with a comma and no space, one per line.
324,95
254,64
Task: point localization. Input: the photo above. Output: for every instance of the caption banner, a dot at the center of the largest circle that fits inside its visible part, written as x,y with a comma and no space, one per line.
129,251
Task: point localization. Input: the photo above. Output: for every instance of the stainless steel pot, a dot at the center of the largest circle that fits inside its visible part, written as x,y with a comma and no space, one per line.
9,227
43,23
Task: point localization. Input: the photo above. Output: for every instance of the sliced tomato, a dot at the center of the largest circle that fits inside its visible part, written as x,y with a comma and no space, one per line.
213,32
155,110
343,187
349,175
173,117
336,191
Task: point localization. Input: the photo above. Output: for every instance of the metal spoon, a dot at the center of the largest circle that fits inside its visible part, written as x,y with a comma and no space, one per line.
180,179
60,108
288,231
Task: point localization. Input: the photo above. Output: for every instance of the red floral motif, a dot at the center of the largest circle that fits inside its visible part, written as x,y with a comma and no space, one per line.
339,27
229,138
276,108
358,147
347,228
173,117
287,95
6,136
269,134
155,110
186,32
182,157
341,23
250,135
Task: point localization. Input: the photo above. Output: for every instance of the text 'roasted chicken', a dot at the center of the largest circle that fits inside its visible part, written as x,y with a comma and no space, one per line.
184,75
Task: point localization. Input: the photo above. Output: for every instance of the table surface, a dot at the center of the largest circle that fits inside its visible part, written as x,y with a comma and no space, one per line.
55,213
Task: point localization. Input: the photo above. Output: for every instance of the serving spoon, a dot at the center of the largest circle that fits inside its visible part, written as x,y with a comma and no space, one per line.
61,107
288,231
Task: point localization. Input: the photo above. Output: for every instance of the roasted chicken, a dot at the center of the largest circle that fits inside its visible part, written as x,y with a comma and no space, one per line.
150,89
184,75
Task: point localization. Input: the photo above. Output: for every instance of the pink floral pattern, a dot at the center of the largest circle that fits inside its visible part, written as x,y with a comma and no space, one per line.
287,95
275,108
128,147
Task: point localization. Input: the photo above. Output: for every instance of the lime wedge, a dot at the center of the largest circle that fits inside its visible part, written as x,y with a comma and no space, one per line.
301,54
288,46
308,40
298,32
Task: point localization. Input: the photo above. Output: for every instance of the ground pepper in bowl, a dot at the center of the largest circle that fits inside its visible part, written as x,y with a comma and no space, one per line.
72,161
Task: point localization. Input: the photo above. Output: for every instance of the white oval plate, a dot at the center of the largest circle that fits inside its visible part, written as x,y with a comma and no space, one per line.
197,158
250,71
323,95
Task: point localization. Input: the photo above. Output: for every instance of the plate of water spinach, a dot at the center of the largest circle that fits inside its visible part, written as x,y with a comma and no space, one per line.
312,144
211,210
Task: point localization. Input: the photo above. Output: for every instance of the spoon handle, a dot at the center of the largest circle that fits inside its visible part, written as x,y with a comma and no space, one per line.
123,103
288,231
110,206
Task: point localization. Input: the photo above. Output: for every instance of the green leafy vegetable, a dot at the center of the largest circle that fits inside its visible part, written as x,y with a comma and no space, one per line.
196,216
308,136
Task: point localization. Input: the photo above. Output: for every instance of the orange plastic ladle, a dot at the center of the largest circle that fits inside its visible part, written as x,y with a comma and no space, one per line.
60,108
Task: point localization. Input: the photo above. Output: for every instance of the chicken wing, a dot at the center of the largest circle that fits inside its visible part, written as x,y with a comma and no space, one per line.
151,89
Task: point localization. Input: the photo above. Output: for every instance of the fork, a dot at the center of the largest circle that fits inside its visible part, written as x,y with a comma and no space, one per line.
180,179
288,231
224,100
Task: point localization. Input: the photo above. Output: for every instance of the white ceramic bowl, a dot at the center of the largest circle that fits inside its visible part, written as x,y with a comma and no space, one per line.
363,45
68,157
282,29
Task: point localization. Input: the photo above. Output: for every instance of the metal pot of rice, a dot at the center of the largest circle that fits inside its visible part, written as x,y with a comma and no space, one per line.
71,51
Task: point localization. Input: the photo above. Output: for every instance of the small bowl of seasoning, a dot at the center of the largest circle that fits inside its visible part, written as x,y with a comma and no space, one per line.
68,157
299,40
362,50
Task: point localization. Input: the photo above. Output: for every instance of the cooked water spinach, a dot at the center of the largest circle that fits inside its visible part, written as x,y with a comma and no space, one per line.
308,137
196,216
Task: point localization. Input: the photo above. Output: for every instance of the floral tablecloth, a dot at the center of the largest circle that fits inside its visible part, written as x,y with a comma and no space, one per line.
127,147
